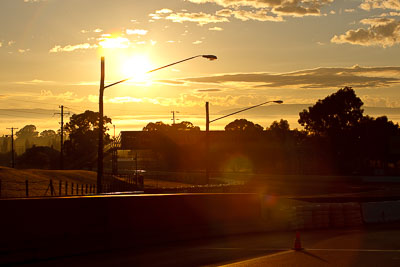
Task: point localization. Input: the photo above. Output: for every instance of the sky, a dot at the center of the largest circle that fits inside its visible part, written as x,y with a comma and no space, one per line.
297,51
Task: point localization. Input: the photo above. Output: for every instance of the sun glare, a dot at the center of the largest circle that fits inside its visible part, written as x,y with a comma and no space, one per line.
136,67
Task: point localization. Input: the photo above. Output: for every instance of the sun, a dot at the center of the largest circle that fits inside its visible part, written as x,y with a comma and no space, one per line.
137,68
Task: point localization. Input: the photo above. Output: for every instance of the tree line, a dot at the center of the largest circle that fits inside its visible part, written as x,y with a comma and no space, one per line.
337,138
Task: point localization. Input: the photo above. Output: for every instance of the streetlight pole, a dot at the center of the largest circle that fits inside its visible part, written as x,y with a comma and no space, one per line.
100,148
100,152
207,141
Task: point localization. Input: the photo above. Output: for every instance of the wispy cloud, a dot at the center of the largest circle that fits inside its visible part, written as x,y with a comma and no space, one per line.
259,15
298,8
382,32
23,50
114,42
180,17
215,29
124,99
208,90
380,4
35,81
200,18
320,78
70,48
136,32
34,1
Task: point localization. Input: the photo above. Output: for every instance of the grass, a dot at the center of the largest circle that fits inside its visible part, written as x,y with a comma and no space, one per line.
13,181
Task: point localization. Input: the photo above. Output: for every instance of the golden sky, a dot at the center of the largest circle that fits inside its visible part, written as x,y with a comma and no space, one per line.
295,50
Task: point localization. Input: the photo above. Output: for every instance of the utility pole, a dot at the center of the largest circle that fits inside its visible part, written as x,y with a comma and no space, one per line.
173,116
62,136
12,146
207,143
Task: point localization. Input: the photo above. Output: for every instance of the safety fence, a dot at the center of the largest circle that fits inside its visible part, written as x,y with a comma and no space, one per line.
52,187
44,188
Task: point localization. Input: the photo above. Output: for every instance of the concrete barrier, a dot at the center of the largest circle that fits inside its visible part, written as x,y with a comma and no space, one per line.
379,212
62,226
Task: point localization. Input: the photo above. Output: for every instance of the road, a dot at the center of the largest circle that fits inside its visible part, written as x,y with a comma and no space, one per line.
369,246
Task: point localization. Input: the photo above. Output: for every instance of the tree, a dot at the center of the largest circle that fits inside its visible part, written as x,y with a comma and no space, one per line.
281,126
28,131
185,126
335,114
83,138
39,157
157,126
243,125
162,127
48,134
85,122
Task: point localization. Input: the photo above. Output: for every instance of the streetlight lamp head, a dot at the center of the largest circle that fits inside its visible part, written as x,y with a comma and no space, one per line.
210,57
278,101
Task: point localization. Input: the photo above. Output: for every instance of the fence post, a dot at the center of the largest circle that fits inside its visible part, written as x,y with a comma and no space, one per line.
66,188
77,189
86,189
59,193
51,187
72,188
82,189
26,188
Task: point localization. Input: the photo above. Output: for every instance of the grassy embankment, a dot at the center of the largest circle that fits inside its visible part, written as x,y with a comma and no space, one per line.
13,181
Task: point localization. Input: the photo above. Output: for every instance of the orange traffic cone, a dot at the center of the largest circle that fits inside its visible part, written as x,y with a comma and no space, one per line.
297,242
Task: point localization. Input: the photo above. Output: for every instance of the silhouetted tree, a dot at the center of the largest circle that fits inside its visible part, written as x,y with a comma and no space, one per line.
244,126
335,114
185,126
48,134
28,131
83,137
162,127
39,157
156,126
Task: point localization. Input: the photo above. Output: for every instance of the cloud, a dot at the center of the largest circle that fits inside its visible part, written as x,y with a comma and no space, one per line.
70,48
164,11
209,90
1,44
114,42
349,10
390,14
34,1
66,96
211,29
35,81
259,10
197,42
136,31
124,99
23,50
298,8
200,18
259,15
320,78
382,32
380,4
